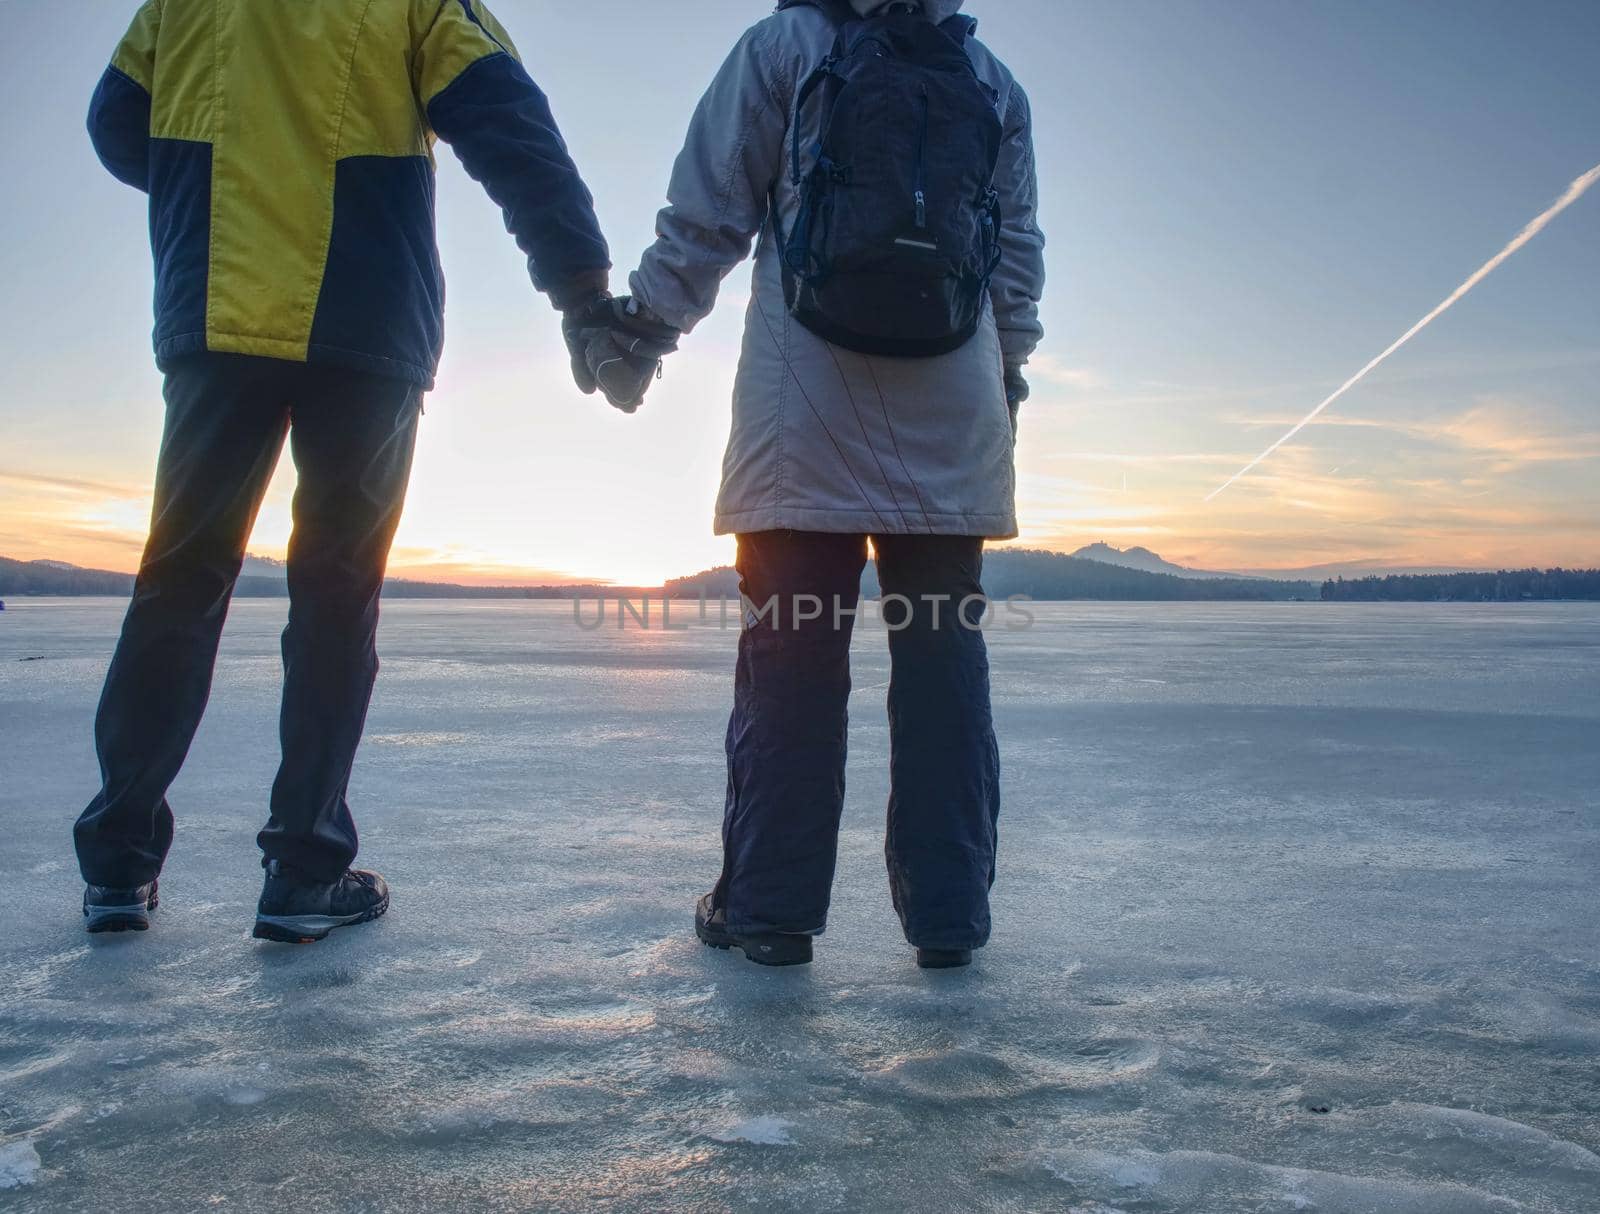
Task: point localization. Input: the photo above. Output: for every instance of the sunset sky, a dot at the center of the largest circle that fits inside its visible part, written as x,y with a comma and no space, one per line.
1245,202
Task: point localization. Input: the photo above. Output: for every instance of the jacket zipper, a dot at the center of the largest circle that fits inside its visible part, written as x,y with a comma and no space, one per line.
922,158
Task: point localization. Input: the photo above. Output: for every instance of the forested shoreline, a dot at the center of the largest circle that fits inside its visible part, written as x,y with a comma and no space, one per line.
1042,576
1503,586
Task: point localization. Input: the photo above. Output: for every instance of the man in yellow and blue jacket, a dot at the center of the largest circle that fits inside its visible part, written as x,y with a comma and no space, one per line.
287,153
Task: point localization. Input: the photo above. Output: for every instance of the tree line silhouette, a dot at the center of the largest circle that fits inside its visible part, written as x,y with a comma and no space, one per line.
1503,586
1038,575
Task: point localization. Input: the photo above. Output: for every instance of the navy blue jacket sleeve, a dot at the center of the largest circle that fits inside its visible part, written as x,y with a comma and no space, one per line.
119,128
500,125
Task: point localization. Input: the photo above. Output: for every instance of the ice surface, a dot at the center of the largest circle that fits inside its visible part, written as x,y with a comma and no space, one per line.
1297,911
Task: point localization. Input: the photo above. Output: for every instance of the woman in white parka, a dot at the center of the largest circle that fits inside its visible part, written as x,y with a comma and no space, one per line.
831,446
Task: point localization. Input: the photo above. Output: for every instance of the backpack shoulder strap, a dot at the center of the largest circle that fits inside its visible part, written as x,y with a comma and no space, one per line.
840,12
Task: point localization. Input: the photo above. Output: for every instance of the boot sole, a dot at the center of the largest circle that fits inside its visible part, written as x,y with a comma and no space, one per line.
134,918
771,951
308,929
118,921
943,959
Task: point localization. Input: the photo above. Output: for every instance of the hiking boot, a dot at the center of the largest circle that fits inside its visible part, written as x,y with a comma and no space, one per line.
108,909
770,948
297,909
943,958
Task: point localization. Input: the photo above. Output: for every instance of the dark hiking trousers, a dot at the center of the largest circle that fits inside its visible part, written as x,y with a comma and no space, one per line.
351,434
787,735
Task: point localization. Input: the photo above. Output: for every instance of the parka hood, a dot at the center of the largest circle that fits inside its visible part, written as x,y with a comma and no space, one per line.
934,10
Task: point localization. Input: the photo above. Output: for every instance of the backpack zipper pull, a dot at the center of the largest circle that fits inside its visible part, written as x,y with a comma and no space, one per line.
922,209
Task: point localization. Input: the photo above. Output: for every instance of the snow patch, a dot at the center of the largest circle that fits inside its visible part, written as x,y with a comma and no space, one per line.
1484,1132
427,737
1184,1178
764,1131
19,1164
1133,1171
1134,1175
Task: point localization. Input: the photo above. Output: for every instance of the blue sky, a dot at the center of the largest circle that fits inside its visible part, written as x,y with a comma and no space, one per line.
1245,201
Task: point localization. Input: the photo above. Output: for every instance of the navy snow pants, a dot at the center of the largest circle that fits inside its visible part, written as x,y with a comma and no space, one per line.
786,738
351,434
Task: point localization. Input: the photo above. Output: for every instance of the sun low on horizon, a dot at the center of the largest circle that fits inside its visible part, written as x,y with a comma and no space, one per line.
1215,273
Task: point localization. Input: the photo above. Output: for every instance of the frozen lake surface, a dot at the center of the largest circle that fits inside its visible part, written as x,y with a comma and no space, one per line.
1297,911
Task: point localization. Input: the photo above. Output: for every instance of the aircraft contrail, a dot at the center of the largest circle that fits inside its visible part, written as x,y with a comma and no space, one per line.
1573,192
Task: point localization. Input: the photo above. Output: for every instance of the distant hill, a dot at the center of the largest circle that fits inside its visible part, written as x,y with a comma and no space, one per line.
1150,562
1040,575
1007,571
719,583
1056,576
1050,575
57,577
1357,568
261,577
264,566
1142,559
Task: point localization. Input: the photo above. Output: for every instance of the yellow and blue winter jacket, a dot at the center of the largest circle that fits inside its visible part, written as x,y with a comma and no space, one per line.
286,146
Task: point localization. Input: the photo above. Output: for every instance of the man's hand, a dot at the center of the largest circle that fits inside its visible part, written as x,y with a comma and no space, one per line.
574,299
573,322
617,346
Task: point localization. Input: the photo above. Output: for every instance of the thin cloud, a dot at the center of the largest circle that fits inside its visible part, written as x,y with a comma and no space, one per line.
1050,369
70,484
1121,457
463,568
1507,435
1508,432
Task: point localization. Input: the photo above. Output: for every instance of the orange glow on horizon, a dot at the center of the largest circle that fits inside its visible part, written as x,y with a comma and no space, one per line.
1495,483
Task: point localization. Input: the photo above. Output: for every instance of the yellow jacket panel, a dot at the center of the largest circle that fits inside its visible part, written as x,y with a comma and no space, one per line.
287,152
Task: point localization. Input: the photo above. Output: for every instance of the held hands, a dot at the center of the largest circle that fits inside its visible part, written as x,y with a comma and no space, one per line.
617,346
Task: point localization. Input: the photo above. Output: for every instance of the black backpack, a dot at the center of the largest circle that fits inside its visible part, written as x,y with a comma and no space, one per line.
898,230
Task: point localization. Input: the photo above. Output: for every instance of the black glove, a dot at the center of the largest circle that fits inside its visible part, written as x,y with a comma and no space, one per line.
617,346
1016,392
1016,387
